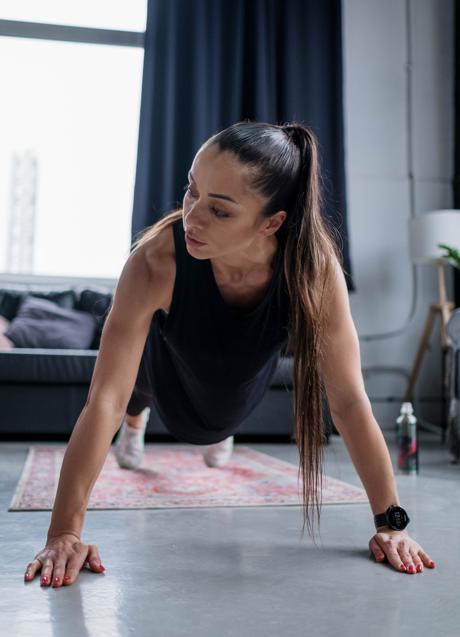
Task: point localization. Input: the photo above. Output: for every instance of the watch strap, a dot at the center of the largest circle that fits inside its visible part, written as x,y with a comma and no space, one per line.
381,520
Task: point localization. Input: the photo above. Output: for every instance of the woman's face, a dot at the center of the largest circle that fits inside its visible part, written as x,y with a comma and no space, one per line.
220,210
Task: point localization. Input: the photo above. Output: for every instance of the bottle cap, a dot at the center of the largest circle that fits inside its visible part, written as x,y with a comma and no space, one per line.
406,408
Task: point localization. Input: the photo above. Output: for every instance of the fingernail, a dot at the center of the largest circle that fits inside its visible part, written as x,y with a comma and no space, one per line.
403,568
102,567
431,563
66,578
419,568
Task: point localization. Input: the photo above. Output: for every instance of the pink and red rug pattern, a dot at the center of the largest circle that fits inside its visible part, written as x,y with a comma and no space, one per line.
175,475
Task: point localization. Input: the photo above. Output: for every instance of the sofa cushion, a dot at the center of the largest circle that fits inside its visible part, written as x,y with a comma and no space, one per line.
97,302
42,323
69,366
11,298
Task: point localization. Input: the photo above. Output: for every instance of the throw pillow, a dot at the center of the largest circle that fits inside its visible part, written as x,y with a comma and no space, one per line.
42,323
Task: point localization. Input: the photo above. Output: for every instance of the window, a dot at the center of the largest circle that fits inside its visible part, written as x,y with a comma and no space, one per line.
69,120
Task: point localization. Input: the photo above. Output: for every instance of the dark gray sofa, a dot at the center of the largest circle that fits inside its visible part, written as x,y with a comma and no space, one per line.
42,391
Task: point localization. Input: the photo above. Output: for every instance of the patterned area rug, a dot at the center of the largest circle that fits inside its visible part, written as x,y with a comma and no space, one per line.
176,476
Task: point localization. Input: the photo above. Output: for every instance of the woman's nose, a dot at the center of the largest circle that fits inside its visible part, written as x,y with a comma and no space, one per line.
193,219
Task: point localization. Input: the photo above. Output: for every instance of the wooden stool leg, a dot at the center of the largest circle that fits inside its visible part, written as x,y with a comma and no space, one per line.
446,311
421,350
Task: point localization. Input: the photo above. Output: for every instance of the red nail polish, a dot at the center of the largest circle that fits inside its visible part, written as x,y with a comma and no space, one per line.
403,568
66,578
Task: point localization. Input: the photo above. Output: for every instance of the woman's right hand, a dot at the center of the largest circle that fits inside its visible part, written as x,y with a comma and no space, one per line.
63,557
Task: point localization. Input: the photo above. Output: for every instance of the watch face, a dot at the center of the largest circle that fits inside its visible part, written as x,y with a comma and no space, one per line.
398,518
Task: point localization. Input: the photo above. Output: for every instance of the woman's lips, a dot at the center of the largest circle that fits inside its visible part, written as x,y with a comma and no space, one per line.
193,241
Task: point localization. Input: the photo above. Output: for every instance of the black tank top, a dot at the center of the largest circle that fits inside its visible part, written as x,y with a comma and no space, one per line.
211,363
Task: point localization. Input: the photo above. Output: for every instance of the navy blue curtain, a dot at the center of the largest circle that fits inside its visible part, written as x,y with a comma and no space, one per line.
211,63
456,183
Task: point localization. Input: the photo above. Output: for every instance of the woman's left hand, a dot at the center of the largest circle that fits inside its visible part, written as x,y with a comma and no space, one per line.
403,553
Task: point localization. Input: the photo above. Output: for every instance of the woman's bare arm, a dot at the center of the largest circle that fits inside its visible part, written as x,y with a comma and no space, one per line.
136,298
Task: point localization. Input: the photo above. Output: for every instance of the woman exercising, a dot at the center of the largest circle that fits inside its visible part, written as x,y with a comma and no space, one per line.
206,301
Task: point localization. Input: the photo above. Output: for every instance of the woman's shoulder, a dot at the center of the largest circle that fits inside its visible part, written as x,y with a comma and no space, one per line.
160,256
159,249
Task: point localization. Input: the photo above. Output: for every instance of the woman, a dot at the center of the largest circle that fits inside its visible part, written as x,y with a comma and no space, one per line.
207,299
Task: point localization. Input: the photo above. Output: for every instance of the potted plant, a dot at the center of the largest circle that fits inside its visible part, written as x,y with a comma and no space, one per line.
452,255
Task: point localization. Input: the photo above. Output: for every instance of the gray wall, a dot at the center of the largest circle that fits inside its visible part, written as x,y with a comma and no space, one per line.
398,102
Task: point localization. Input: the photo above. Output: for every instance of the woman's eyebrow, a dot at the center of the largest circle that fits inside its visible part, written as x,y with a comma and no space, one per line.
213,194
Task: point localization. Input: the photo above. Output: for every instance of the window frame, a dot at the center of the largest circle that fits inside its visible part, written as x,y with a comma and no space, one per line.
65,33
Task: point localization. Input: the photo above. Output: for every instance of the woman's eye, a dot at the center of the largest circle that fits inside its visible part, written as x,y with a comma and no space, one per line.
215,211
219,213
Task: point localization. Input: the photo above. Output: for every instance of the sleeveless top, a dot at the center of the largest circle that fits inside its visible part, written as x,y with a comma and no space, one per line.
211,363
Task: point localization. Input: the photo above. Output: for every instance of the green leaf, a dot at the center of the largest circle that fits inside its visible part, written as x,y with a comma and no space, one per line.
452,255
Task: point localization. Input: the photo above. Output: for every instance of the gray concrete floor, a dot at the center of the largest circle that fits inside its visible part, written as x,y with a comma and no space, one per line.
243,571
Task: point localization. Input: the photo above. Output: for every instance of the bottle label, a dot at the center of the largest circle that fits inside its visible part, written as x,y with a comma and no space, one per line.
408,454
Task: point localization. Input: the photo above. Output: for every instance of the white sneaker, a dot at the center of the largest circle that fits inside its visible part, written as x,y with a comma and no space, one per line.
129,445
218,454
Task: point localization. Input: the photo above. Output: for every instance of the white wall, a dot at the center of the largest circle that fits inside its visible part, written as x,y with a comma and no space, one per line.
388,107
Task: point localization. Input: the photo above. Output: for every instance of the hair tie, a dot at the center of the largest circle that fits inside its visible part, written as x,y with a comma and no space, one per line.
293,132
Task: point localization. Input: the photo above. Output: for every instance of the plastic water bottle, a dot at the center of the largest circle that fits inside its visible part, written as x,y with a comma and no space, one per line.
407,440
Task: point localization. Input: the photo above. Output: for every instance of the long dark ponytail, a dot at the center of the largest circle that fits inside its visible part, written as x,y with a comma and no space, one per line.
309,252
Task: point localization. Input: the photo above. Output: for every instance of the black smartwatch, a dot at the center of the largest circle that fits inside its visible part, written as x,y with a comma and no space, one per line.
395,517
